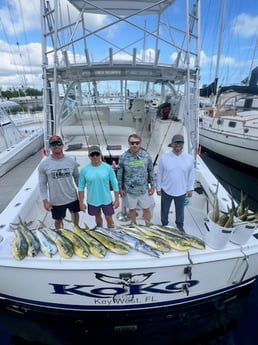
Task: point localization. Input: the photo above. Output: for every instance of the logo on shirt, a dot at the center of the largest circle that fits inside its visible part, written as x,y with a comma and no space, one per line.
60,173
136,164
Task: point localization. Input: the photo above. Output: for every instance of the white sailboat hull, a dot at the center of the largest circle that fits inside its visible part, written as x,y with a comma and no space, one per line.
238,148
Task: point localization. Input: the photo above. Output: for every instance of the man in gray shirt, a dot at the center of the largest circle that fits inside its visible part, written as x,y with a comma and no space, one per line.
58,178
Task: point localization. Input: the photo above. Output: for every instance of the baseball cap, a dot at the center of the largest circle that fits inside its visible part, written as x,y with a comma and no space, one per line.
55,139
94,148
177,139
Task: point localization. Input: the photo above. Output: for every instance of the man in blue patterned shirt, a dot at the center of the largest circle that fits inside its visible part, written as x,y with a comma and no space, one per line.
135,177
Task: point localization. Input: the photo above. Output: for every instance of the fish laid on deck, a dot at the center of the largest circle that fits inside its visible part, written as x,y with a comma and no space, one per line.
114,246
19,245
47,247
176,239
80,247
96,248
133,242
152,241
33,244
64,246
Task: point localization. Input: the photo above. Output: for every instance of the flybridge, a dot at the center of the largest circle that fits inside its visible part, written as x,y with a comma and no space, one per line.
129,71
122,8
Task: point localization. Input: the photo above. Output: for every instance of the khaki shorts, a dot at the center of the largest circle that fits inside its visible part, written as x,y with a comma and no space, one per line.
142,200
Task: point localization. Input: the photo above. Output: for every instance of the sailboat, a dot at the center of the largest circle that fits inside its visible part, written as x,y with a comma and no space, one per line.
135,285
229,117
16,145
230,129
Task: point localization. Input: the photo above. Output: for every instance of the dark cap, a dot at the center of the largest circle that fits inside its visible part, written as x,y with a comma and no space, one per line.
94,148
55,139
177,139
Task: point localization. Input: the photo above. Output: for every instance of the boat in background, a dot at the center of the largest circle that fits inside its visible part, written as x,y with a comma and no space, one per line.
29,121
16,144
230,128
213,267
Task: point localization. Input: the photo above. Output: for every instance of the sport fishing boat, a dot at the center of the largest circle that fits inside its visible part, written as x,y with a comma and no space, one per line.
212,264
230,128
16,144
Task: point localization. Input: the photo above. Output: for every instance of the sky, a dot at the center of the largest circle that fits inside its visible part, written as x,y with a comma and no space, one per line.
20,41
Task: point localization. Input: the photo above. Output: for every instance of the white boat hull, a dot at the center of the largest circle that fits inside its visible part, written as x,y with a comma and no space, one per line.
241,150
21,150
105,290
132,282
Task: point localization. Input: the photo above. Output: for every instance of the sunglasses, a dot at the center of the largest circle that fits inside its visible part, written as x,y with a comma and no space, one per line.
93,154
57,143
179,143
134,142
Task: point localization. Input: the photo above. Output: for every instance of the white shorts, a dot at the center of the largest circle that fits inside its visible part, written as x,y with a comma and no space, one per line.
142,200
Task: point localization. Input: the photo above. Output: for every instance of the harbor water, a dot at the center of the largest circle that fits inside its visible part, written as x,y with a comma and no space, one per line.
235,325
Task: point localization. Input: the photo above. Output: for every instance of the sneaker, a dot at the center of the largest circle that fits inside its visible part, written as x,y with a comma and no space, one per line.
181,230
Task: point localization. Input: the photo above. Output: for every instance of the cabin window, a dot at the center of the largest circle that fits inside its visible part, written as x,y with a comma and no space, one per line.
219,122
232,124
246,130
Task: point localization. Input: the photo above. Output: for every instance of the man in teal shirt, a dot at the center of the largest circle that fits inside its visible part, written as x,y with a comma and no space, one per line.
97,178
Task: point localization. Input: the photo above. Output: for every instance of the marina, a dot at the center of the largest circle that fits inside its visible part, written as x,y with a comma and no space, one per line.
152,283
228,116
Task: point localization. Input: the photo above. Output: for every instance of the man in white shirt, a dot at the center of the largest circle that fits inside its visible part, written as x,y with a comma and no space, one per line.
175,180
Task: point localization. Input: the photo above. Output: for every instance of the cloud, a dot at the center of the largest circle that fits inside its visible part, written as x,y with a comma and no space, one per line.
245,25
16,20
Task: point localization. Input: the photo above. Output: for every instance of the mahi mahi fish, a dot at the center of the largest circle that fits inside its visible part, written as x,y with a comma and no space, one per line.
193,241
96,248
230,221
155,243
19,245
241,207
47,247
33,244
80,247
223,219
130,240
215,211
175,242
64,246
114,246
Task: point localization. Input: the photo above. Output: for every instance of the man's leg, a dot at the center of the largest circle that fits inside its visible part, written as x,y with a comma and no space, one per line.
180,208
165,205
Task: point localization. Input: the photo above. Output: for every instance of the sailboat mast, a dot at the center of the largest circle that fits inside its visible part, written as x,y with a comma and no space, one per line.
220,41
